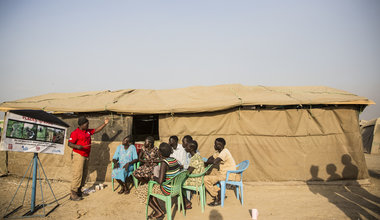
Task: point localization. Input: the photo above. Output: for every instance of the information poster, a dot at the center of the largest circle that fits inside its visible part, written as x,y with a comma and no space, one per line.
25,134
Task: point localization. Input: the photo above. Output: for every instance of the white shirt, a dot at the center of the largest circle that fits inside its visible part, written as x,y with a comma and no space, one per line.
180,155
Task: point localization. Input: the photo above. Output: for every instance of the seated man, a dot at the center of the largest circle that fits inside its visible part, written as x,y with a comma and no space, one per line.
179,152
222,161
185,142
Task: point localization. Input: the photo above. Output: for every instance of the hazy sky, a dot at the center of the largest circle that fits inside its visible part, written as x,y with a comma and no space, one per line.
70,46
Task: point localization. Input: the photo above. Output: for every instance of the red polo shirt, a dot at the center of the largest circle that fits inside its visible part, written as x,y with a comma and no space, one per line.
83,138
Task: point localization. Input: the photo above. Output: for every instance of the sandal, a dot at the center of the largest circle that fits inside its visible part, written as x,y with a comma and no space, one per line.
215,203
188,206
159,216
151,215
122,190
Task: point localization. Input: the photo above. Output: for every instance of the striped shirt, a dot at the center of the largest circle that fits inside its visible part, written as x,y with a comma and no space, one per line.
173,169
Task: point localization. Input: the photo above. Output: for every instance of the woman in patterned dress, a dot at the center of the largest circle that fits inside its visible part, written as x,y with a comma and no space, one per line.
123,159
149,158
196,166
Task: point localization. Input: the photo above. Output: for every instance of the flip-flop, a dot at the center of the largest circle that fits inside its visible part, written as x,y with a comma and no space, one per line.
156,218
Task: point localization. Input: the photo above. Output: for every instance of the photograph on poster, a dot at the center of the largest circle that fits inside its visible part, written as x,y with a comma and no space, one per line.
29,131
58,136
41,133
14,129
50,134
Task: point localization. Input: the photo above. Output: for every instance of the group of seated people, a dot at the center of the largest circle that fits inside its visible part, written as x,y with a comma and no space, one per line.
163,163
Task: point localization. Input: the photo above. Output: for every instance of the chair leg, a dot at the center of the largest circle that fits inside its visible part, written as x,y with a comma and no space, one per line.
222,192
188,194
241,191
146,207
168,204
113,189
202,198
237,191
135,181
181,204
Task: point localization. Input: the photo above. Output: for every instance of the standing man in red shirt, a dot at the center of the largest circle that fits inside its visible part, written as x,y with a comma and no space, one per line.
80,141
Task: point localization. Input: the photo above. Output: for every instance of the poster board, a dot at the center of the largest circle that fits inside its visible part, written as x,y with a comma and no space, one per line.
26,134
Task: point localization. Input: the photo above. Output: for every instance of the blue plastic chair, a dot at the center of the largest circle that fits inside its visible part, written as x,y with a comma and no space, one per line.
238,184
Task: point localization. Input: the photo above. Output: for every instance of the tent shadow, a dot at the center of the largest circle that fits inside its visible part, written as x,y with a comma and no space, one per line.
373,174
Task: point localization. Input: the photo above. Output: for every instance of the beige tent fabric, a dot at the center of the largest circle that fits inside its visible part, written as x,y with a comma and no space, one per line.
370,132
67,102
281,145
3,163
185,100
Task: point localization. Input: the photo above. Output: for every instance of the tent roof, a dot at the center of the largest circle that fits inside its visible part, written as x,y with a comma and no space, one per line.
371,122
185,100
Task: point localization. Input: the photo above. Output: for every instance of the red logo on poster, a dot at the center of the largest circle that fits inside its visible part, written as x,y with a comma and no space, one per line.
37,148
10,146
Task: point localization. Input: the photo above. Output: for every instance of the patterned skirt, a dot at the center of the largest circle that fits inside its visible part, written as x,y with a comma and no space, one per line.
142,192
144,171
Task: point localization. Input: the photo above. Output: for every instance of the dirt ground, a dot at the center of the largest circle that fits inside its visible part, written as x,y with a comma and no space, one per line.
286,200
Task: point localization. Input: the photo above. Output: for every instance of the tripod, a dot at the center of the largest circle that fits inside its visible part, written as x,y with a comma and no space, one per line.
33,207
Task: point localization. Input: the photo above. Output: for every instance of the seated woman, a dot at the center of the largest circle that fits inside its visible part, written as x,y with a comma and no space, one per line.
196,166
149,158
168,169
123,159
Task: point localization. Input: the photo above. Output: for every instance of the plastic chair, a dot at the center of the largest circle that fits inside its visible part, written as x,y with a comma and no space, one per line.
135,181
238,184
201,188
176,190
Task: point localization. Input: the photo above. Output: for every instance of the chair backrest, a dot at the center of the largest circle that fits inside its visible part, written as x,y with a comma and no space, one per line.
177,181
201,174
242,166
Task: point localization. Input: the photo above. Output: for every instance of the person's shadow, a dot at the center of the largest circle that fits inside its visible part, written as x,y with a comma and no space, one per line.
100,157
215,215
353,200
314,170
357,193
350,171
331,170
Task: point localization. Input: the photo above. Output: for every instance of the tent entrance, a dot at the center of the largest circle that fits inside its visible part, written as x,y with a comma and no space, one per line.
145,125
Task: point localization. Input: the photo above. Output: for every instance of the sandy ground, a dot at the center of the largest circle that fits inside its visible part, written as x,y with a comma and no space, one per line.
288,200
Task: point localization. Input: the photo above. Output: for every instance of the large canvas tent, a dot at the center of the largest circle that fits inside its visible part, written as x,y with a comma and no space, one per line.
287,133
370,131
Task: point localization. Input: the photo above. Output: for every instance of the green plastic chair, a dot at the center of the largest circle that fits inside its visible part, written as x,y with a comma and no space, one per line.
135,181
176,182
200,189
